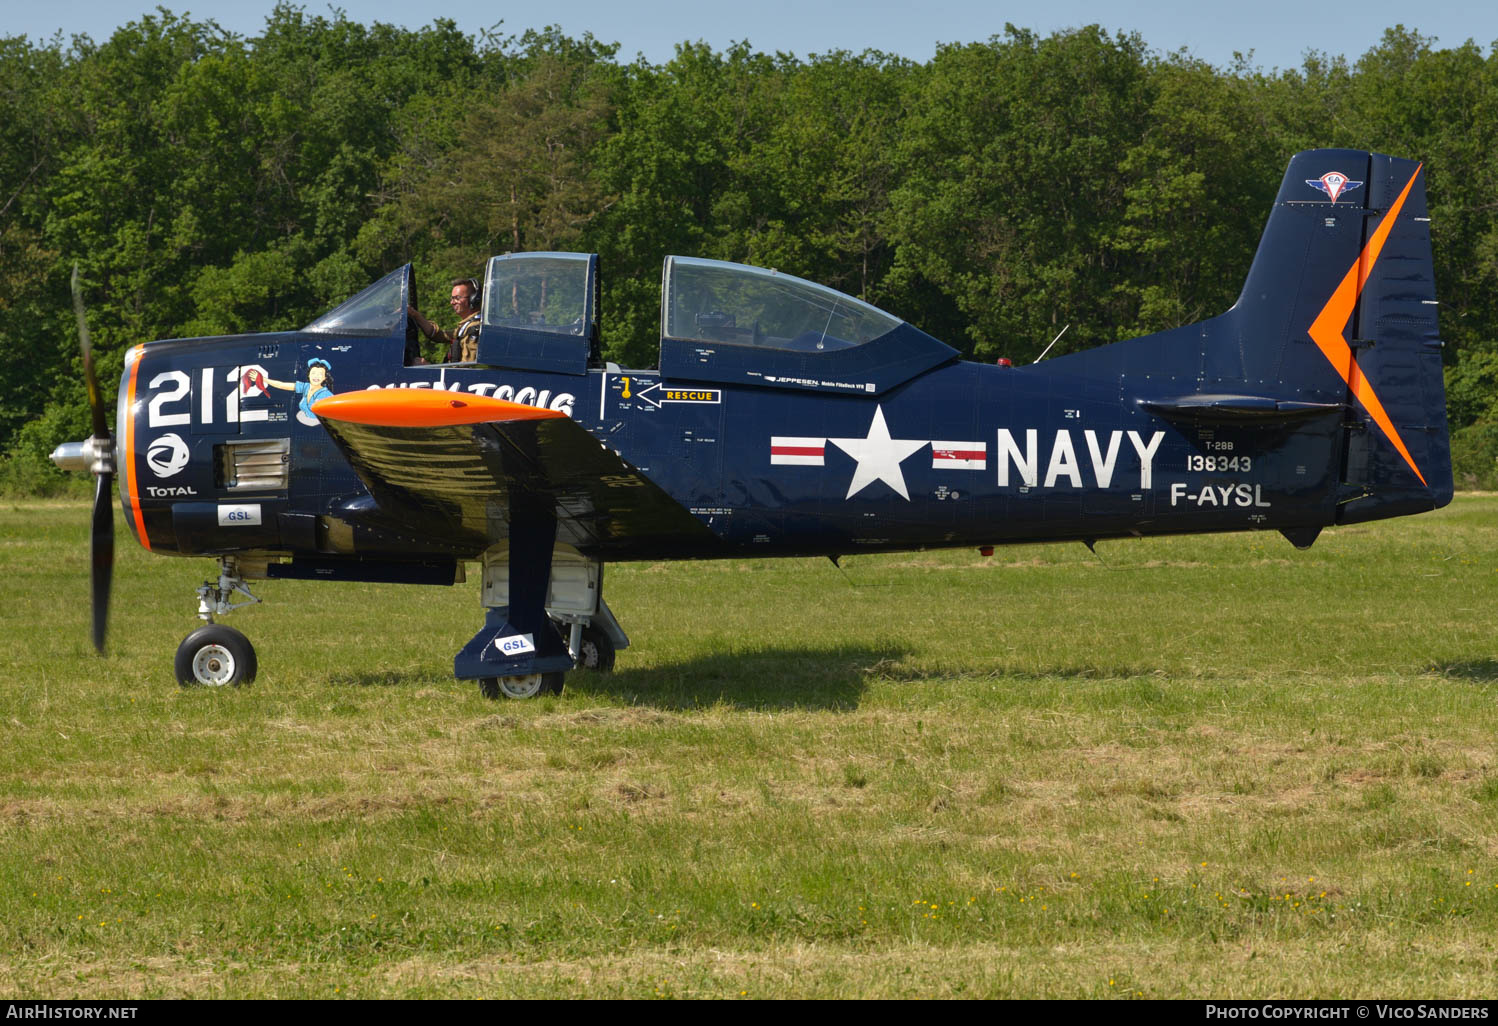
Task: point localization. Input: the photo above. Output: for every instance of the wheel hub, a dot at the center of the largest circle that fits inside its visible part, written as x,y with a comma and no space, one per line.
213,665
528,686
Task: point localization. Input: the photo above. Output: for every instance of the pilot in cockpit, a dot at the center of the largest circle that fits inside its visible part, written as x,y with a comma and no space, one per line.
463,343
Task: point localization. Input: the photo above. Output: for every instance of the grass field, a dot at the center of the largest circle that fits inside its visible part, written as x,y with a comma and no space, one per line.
1180,768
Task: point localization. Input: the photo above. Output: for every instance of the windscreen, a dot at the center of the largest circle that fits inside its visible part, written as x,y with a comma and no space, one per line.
377,312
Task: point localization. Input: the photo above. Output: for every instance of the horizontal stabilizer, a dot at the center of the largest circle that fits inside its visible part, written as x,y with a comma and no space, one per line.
1237,409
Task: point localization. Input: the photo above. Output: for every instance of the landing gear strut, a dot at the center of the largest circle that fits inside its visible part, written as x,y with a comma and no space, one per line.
590,645
215,655
545,615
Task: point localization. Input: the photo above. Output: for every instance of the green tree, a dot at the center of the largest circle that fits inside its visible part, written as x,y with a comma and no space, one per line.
1199,185
35,121
1010,190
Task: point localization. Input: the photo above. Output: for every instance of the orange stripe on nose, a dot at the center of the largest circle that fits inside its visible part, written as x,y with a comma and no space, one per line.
1327,330
127,456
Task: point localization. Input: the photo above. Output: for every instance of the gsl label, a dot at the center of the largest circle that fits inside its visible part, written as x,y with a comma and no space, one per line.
516,644
239,516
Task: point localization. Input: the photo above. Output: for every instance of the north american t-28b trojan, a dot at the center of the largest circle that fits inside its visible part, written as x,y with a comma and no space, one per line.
784,419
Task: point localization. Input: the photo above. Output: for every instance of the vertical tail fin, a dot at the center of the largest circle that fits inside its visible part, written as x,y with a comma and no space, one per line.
1340,301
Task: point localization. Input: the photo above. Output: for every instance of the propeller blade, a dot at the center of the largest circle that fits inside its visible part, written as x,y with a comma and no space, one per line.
101,555
95,406
101,537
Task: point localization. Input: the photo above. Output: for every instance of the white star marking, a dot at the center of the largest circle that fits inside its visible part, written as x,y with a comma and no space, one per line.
879,457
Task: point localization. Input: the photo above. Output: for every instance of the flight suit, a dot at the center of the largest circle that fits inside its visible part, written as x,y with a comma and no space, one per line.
465,344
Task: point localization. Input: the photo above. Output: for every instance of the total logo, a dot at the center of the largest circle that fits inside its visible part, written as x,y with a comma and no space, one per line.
167,455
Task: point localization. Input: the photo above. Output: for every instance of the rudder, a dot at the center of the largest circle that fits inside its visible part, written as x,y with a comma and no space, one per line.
1340,302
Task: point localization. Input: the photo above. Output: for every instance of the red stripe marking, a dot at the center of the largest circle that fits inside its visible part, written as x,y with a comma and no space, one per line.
796,450
960,454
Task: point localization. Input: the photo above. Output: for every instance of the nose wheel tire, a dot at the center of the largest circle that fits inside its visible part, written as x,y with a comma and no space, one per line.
215,656
528,686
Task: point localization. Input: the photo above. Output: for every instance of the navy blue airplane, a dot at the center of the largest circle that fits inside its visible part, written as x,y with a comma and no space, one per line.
785,419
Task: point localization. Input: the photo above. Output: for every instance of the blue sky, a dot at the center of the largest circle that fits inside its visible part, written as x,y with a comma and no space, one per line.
1279,32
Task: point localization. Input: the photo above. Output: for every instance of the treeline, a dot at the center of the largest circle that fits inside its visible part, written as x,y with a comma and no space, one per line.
207,183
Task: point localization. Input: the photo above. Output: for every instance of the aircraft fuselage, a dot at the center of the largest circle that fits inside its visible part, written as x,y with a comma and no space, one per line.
966,454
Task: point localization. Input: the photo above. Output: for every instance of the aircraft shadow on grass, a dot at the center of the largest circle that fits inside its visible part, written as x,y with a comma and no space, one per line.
785,678
822,679
1479,671
800,678
807,678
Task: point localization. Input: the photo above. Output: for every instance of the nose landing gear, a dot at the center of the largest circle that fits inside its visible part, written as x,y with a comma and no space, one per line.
215,655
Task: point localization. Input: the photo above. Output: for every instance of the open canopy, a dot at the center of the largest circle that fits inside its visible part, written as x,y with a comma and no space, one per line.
540,312
720,322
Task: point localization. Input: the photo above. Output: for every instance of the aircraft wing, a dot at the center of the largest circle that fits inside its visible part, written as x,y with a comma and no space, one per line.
451,467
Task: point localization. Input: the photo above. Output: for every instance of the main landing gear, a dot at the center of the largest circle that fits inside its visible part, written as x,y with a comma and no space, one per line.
214,655
544,614
591,646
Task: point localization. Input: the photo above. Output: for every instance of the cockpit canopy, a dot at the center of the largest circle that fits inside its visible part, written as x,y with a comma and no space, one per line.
720,322
541,312
742,305
737,324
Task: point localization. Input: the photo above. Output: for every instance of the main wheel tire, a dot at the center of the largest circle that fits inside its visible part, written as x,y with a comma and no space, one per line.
595,651
528,686
215,656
